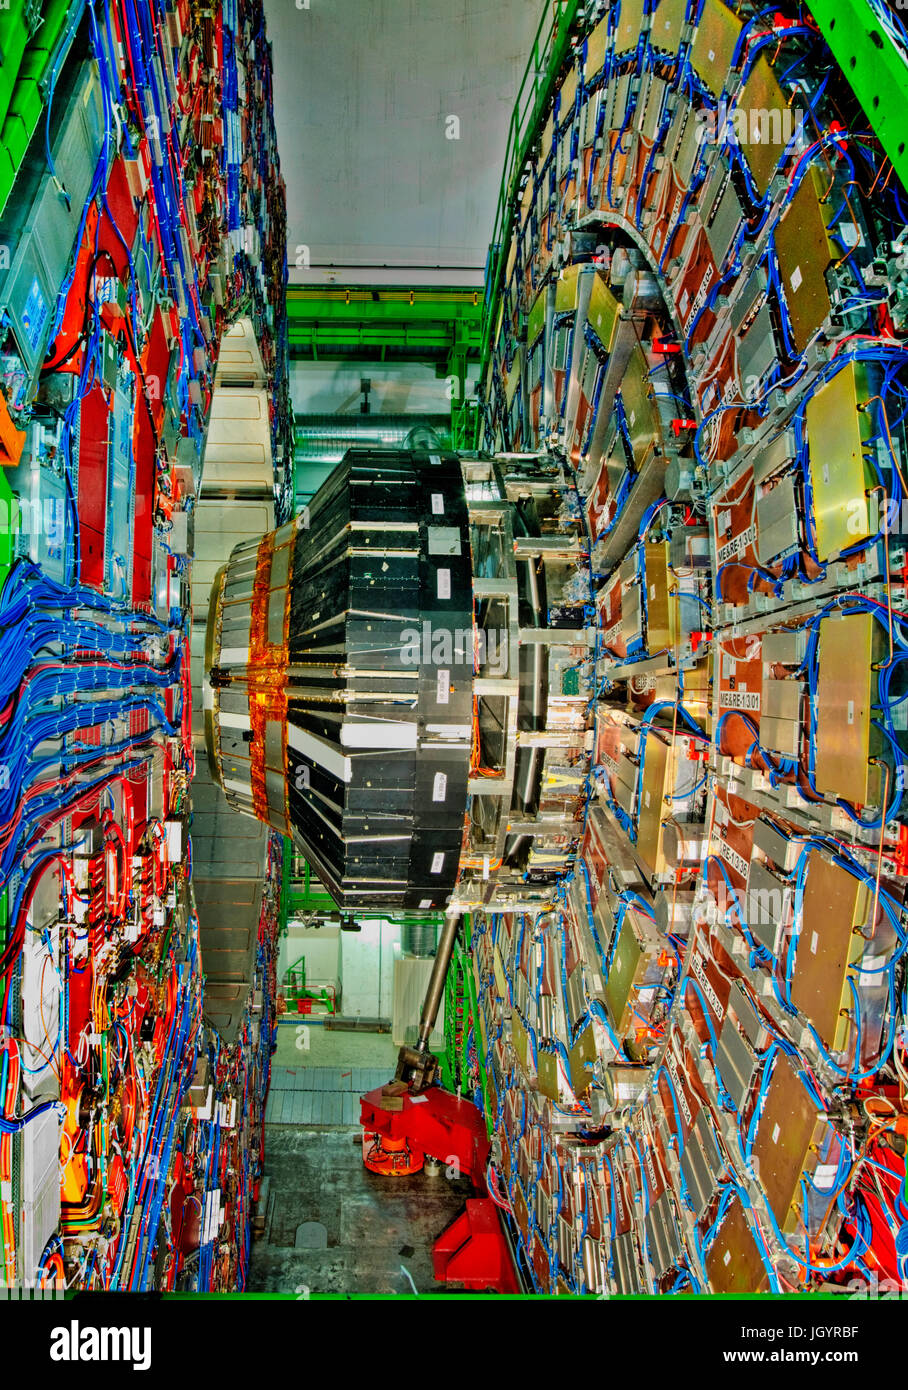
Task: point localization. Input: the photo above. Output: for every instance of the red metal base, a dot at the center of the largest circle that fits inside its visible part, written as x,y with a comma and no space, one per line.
473,1251
435,1123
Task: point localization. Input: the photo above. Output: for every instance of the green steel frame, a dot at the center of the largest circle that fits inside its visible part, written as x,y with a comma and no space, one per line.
440,326
461,1005
875,70
423,325
33,40
297,894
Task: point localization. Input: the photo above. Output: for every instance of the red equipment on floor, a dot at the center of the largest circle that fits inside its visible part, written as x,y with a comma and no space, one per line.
390,1158
474,1251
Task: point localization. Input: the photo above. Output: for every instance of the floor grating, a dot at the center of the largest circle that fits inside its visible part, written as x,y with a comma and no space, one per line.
319,1095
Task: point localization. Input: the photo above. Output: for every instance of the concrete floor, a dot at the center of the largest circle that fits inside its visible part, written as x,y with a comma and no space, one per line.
374,1227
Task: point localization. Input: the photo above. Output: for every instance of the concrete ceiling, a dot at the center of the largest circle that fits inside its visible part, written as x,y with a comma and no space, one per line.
364,95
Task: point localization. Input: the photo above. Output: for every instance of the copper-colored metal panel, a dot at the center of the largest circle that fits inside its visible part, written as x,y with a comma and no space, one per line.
733,1263
846,689
783,1143
835,902
714,46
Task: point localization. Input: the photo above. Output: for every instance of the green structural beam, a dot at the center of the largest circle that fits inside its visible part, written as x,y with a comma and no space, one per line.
305,894
875,69
8,525
34,39
438,326
550,45
423,324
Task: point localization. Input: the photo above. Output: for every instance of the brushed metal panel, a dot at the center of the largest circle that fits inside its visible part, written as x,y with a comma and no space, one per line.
651,809
846,689
581,1058
714,45
785,1133
804,252
834,903
733,1263
839,475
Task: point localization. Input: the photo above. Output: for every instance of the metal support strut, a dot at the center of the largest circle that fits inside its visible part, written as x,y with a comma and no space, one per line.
416,1065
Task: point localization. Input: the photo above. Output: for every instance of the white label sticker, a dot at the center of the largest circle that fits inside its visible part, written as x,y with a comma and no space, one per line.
775,1133
796,277
437,863
443,687
732,857
438,504
739,699
646,799
435,458
424,903
440,786
726,1258
851,711
814,942
737,545
444,583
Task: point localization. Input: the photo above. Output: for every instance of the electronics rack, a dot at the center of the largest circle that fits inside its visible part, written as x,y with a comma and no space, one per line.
693,1061
143,214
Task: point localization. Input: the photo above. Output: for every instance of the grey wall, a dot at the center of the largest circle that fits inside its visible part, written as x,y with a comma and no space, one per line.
362,92
402,388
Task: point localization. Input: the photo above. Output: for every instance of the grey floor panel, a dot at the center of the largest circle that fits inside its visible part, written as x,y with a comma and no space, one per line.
319,1176
319,1095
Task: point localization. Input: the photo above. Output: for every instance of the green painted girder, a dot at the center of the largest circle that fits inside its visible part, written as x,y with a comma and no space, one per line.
875,70
325,337
417,321
33,37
